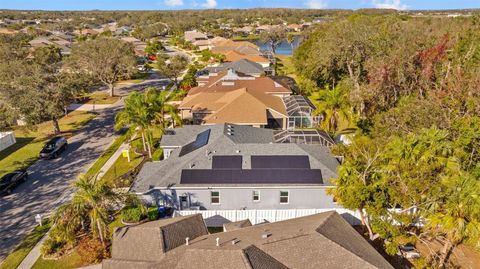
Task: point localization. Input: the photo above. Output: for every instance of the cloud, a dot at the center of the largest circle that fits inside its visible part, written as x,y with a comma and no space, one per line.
391,4
173,3
316,4
209,4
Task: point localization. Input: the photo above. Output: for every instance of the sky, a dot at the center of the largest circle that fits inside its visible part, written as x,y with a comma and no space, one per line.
223,4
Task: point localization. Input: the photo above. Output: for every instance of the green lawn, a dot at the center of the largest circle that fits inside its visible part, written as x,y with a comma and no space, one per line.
101,98
122,166
285,66
17,256
71,260
246,38
30,142
106,156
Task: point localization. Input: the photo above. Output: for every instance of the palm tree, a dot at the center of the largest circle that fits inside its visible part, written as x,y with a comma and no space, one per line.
333,104
135,115
147,111
87,212
95,199
458,219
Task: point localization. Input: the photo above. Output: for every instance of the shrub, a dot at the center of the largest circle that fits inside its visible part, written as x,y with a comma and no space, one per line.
157,155
91,250
132,214
50,247
152,213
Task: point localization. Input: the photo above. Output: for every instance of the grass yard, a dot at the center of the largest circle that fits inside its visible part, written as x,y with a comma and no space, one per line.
122,166
29,142
246,38
285,66
71,260
17,256
101,98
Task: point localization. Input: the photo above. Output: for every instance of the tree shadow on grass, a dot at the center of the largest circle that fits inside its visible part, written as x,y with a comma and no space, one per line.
21,142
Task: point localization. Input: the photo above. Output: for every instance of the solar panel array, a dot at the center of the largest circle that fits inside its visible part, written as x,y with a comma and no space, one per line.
251,176
280,161
227,162
281,169
200,141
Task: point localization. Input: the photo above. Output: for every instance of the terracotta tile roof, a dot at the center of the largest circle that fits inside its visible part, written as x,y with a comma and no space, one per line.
222,83
240,106
244,47
233,56
323,240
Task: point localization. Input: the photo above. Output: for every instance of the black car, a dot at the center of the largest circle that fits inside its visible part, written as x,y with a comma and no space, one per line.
54,147
9,181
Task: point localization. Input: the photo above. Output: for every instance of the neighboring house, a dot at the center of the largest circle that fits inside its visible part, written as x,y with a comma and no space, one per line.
234,167
242,47
233,56
240,106
244,66
243,31
323,240
192,36
231,80
294,28
234,97
63,44
263,28
138,45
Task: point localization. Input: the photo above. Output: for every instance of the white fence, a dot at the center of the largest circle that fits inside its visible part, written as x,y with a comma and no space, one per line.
216,218
6,140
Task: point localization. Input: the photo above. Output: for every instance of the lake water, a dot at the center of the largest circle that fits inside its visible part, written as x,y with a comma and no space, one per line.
283,49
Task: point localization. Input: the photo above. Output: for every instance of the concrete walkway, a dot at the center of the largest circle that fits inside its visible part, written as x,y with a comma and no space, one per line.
87,107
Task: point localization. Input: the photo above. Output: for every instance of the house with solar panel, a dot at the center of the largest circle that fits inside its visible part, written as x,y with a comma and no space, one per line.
237,167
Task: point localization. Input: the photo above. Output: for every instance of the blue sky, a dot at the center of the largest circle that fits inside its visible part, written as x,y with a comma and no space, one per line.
199,4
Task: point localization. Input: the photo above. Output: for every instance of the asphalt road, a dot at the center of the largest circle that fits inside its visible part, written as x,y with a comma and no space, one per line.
50,181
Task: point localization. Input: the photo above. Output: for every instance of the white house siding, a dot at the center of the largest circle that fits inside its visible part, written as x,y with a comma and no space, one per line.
242,198
6,140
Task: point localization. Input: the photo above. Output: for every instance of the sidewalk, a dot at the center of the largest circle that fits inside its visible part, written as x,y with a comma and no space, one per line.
34,254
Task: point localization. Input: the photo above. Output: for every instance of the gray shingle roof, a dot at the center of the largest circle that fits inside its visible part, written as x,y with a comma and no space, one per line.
322,240
150,241
244,66
245,141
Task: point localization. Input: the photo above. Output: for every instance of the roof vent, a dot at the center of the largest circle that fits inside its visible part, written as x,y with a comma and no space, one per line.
217,242
192,165
234,241
237,151
266,235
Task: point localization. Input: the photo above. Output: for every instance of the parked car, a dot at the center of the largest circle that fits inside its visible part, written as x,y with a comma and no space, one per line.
11,180
54,147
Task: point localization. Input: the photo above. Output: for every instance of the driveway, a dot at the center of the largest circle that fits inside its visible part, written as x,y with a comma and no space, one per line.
49,184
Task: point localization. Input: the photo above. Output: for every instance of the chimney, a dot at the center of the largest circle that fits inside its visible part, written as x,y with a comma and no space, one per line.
218,241
186,241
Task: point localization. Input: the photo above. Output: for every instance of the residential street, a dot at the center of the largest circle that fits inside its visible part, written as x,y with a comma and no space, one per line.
49,183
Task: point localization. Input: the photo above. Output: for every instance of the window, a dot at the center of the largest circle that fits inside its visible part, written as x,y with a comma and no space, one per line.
283,197
215,197
256,196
